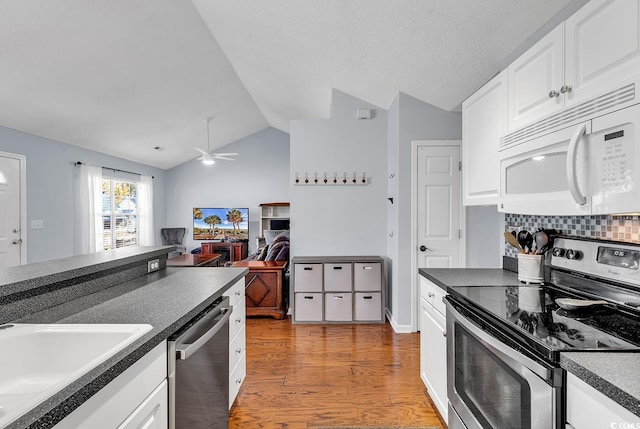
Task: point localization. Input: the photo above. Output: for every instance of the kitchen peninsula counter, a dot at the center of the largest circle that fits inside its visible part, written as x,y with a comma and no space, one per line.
166,300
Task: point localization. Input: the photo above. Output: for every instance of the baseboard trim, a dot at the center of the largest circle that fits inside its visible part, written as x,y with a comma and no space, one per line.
397,328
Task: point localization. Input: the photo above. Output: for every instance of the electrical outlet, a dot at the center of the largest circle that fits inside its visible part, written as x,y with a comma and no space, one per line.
153,265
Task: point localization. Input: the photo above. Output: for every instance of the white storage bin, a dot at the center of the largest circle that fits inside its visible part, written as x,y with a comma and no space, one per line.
338,307
337,277
308,277
367,276
368,306
308,307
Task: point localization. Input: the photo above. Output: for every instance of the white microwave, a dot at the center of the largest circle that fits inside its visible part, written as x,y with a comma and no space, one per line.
589,167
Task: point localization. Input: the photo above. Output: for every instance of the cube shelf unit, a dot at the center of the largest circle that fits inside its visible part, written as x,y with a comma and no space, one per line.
269,212
338,289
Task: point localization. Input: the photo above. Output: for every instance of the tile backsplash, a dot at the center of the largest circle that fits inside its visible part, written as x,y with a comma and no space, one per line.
605,227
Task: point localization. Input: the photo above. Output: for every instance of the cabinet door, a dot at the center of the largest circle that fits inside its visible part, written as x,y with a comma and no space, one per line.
602,47
367,276
433,356
307,277
533,76
484,121
153,413
587,408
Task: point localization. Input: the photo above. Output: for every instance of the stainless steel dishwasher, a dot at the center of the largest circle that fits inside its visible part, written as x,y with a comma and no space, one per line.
199,370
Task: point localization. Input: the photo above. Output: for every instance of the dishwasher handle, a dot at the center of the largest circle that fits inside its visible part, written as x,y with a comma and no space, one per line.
185,349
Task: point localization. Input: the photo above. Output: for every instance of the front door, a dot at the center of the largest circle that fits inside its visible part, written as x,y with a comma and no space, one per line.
438,204
10,237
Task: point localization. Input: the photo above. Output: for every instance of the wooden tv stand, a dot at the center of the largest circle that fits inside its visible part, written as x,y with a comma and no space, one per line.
264,292
236,250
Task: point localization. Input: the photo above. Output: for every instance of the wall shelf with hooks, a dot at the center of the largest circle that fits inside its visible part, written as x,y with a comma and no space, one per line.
330,179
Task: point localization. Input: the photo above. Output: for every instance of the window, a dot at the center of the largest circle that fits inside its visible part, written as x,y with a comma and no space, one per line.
119,213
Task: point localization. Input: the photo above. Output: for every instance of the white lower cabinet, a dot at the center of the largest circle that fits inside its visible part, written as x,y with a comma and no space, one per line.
433,344
237,339
587,408
136,398
152,413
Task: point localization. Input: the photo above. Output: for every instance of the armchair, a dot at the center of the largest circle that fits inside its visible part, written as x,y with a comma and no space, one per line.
174,237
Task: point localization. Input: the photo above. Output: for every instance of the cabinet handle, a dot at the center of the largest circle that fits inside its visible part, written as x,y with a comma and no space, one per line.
238,293
430,294
565,88
239,320
238,380
308,297
308,268
238,351
367,297
338,297
366,267
553,93
337,268
444,333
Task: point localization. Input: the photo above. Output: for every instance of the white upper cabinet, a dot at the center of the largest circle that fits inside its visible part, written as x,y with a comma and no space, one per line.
484,121
535,79
592,52
602,48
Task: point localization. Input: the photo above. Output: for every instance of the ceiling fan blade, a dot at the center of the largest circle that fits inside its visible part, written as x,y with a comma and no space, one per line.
225,154
224,157
201,151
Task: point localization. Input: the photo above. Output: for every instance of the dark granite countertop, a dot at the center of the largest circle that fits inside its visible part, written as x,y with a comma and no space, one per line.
166,300
445,277
24,278
615,374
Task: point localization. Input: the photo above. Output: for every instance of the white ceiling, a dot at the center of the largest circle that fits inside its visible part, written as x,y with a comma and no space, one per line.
122,77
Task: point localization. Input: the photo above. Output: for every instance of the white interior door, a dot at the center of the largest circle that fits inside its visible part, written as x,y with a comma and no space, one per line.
10,212
438,204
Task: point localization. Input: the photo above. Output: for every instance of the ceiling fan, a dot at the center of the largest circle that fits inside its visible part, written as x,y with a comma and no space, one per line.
209,158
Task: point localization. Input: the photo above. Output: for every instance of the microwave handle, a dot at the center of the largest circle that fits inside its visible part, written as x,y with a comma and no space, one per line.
572,174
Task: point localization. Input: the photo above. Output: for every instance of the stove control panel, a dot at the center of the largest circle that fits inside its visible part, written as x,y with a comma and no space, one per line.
607,259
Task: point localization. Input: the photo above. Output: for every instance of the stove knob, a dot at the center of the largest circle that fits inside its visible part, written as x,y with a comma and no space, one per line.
573,254
558,252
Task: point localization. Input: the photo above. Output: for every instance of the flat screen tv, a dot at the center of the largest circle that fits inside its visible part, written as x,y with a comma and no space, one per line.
220,224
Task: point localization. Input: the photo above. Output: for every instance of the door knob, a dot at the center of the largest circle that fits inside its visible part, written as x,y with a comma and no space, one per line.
424,248
18,241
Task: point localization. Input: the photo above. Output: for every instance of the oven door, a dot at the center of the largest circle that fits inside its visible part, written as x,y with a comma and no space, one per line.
490,385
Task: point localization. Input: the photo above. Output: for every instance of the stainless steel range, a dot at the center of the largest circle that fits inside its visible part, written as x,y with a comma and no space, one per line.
504,343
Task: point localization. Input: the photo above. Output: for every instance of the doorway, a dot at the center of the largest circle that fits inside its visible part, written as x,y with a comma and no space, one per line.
437,212
13,248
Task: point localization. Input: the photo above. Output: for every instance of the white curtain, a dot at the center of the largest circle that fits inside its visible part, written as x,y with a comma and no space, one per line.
145,210
90,209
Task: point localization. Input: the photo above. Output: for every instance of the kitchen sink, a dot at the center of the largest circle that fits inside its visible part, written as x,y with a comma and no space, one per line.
38,360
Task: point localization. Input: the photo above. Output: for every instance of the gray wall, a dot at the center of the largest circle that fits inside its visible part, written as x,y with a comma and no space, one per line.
411,119
260,174
51,180
484,235
340,220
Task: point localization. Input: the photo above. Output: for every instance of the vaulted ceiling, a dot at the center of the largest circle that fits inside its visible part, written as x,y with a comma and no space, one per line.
123,77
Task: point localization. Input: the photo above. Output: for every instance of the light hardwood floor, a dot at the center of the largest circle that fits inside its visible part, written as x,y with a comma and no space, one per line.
309,376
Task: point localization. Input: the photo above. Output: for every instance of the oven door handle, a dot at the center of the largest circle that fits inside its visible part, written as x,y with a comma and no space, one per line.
538,369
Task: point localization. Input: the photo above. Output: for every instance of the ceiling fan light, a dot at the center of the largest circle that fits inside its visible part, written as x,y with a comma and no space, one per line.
207,160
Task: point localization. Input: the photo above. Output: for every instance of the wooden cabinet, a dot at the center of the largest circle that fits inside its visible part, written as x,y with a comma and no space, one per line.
433,344
264,290
229,251
237,340
484,121
587,408
338,289
591,53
